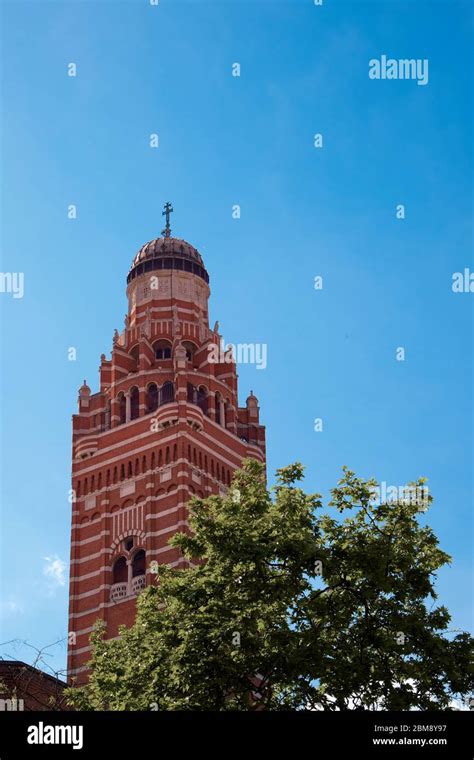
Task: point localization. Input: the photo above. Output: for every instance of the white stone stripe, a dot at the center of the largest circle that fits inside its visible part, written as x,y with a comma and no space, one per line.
91,539
87,576
85,594
91,556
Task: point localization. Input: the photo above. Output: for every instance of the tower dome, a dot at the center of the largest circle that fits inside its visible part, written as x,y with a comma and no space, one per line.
167,253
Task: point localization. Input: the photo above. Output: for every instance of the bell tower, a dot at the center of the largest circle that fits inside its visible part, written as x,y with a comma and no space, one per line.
164,425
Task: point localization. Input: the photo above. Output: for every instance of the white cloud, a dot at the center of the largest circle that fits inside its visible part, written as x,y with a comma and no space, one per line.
55,571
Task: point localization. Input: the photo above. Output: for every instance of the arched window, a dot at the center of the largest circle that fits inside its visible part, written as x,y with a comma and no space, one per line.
226,420
192,394
122,408
167,393
138,564
107,416
120,572
202,399
162,349
218,408
190,350
152,398
134,403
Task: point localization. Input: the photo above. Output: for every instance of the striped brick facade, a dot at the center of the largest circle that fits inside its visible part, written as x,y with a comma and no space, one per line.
164,425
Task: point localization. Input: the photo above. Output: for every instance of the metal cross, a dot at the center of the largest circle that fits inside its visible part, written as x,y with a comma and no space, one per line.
168,208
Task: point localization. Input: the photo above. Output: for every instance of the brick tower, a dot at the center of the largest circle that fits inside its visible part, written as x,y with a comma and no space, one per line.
164,425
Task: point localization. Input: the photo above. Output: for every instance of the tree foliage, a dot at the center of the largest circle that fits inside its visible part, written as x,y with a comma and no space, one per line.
286,605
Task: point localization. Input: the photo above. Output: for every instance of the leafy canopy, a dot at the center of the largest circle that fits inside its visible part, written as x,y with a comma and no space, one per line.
288,606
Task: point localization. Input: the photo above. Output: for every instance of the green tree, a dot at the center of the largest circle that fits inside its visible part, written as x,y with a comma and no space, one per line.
287,606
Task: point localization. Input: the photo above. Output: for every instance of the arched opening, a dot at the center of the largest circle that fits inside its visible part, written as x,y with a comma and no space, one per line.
120,572
122,408
190,350
202,398
218,408
107,416
152,398
226,421
192,394
138,564
134,403
138,571
162,349
167,393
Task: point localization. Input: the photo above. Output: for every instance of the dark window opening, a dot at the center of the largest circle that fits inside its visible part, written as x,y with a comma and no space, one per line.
167,393
134,404
138,566
152,398
120,573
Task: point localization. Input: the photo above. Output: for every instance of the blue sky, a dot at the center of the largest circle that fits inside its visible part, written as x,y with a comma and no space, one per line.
245,140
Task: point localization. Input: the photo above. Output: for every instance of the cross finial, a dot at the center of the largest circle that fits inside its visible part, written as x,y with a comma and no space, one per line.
168,208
